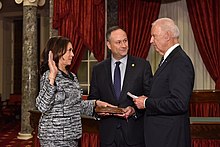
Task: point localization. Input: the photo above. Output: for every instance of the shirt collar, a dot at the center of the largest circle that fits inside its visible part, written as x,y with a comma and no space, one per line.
170,50
122,60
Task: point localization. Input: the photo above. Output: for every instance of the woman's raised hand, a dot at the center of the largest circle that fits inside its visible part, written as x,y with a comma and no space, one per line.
53,68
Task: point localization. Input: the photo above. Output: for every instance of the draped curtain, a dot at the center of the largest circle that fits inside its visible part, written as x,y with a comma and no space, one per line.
205,20
205,143
90,140
138,24
208,109
84,23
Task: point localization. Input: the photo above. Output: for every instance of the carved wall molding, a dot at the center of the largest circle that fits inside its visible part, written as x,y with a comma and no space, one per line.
31,2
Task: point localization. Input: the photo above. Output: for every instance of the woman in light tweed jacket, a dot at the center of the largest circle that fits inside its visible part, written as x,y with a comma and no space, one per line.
59,98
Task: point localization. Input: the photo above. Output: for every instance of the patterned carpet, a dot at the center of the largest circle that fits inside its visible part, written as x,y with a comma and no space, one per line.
8,135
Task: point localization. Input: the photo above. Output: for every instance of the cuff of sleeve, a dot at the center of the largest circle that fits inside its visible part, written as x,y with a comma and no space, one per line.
145,103
94,106
134,115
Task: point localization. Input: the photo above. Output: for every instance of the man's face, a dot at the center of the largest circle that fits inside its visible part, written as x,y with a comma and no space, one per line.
118,44
158,39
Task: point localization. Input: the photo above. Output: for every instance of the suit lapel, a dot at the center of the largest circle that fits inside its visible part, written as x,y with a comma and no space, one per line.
129,72
167,61
107,67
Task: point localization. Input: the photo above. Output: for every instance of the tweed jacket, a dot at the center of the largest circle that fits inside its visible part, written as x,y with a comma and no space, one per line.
61,106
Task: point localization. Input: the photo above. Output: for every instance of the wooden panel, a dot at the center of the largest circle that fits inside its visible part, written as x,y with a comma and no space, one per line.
205,96
204,120
201,128
205,103
208,131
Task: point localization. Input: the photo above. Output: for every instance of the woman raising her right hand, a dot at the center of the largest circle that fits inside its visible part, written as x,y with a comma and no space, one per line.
59,99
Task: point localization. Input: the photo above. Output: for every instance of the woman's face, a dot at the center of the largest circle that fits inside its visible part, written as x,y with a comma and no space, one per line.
66,59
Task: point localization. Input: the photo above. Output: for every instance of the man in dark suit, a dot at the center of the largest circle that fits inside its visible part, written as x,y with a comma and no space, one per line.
121,130
166,122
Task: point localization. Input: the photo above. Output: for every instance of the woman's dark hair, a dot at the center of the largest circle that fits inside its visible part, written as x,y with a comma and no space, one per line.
58,46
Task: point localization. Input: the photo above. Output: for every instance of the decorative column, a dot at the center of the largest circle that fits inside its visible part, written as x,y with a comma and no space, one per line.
29,64
53,32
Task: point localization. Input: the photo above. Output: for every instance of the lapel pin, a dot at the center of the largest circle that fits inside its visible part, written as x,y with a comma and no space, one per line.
132,65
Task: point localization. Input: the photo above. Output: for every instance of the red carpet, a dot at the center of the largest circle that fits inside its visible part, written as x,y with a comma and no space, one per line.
8,136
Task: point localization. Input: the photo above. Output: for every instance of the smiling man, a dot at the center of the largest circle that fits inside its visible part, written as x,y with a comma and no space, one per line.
111,80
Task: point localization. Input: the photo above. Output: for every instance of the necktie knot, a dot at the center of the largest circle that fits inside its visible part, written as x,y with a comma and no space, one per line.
117,63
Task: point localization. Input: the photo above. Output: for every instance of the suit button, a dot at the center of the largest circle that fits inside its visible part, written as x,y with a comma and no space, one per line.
118,126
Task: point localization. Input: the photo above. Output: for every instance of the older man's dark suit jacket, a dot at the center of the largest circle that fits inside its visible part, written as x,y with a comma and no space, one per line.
137,81
166,119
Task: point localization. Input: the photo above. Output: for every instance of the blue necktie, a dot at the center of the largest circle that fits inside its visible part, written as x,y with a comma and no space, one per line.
117,80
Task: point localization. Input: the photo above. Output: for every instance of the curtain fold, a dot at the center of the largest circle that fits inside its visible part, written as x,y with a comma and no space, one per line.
84,23
205,143
138,24
204,109
90,140
205,20
61,10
